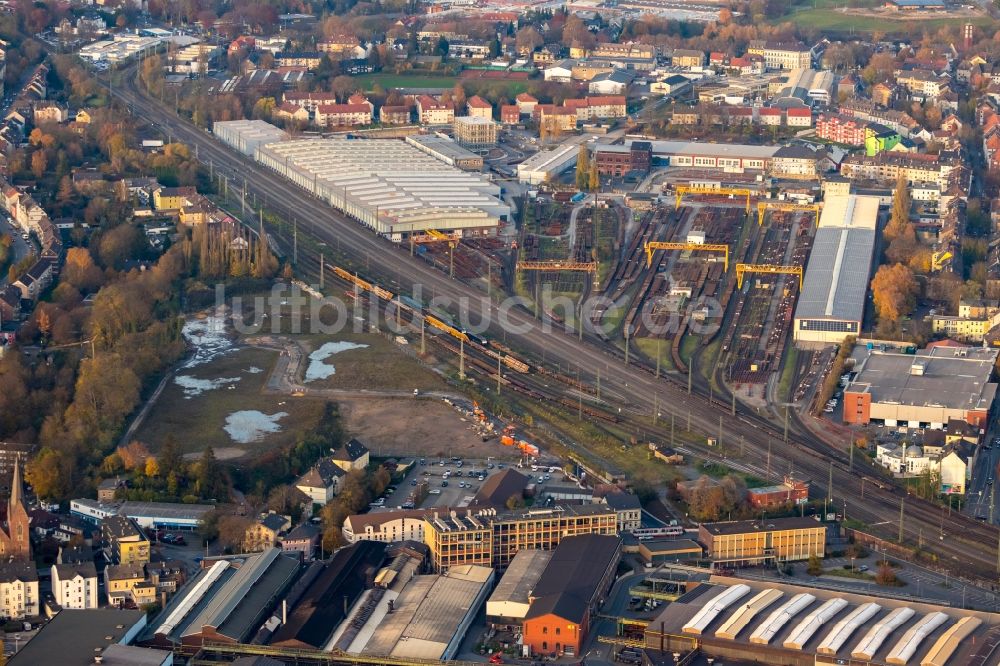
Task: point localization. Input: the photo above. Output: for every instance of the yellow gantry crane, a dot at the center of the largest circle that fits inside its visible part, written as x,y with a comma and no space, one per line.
681,190
652,246
434,236
742,269
578,266
762,207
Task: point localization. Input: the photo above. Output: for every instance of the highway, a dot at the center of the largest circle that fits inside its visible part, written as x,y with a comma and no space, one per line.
970,547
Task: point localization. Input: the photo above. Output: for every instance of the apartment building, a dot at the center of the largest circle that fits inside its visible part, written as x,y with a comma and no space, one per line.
916,168
309,100
74,586
923,84
756,542
475,132
435,112
492,539
782,55
974,321
18,590
124,542
343,115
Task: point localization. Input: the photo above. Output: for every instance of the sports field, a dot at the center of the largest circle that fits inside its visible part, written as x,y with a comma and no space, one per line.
390,80
836,15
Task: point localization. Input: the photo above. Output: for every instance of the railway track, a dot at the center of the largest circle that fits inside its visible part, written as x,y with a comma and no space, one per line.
637,388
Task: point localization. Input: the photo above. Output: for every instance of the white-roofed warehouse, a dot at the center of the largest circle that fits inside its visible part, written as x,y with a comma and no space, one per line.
389,186
832,303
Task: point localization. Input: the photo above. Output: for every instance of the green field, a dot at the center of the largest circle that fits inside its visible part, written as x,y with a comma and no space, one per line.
824,15
390,80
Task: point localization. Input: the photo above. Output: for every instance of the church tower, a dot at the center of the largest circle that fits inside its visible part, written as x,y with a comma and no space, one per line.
15,539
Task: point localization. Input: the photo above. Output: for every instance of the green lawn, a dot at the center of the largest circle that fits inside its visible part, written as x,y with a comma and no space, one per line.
824,15
391,80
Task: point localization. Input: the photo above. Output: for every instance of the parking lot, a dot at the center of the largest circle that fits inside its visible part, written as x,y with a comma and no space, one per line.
453,482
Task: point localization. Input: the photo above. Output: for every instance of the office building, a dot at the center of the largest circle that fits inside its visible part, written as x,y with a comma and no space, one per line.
754,542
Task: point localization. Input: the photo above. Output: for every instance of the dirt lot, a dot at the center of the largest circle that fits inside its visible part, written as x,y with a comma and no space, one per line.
409,427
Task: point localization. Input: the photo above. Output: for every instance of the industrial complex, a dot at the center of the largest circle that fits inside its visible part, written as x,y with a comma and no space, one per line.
779,623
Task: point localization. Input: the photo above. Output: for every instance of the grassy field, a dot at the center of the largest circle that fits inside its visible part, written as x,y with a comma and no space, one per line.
198,420
828,15
379,366
392,80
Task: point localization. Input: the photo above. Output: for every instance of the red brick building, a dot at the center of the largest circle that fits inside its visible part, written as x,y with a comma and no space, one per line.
789,490
617,163
841,129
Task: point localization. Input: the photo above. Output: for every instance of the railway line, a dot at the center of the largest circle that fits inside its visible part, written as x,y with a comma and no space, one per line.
971,547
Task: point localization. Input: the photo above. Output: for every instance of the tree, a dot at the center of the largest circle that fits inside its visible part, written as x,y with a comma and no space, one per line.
900,217
582,168
152,467
513,502
885,576
263,108
39,163
894,291
528,39
133,455
48,473
380,481
233,531
815,566
80,270
593,178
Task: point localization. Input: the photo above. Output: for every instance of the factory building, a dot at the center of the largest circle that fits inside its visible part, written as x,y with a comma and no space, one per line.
226,602
446,150
740,620
832,303
570,590
247,135
389,186
546,165
922,390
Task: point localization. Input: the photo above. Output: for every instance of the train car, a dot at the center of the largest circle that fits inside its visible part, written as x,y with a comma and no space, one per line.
478,339
384,294
411,303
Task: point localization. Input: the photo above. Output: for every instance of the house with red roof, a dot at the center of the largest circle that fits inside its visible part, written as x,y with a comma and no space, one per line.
479,107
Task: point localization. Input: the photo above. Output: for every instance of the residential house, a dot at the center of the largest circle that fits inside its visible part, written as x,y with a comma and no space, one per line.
18,590
687,58
167,577
526,104
510,114
264,533
172,198
48,112
308,59
778,55
74,586
628,508
124,541
841,129
394,115
34,281
126,584
479,108
435,112
922,84
303,539
769,116
672,85
292,113
107,489
796,161
882,94
321,481
798,117
613,83
352,456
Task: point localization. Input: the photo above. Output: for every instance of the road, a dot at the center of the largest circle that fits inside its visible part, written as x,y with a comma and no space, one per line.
19,247
971,545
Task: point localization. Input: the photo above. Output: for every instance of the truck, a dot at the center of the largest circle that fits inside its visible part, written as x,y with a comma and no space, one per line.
578,197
